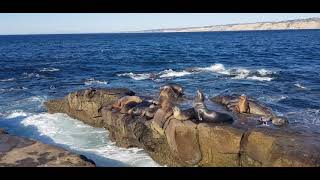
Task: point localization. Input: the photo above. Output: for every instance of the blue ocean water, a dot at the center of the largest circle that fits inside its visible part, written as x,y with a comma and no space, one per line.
278,68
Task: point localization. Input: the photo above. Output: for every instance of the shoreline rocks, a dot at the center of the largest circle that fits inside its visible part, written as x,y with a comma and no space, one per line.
23,152
190,143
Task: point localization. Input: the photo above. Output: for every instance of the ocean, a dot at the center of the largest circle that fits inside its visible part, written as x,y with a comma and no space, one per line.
277,68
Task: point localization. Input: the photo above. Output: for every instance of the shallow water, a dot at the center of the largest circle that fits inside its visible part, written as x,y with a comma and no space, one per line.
278,68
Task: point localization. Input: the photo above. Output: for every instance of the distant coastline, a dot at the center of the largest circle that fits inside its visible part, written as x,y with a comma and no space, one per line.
298,24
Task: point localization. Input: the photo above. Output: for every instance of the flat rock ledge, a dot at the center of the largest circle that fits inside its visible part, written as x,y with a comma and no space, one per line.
23,152
187,143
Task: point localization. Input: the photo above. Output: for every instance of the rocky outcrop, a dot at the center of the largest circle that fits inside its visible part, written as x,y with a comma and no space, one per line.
173,142
23,152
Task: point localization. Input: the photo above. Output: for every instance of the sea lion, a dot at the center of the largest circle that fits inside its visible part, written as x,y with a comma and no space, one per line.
203,114
279,120
144,109
243,105
122,102
180,115
177,89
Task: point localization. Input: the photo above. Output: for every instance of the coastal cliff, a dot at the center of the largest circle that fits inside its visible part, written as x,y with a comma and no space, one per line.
190,143
311,23
23,152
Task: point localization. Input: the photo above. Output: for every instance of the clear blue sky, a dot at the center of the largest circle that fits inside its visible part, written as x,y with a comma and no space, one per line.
118,22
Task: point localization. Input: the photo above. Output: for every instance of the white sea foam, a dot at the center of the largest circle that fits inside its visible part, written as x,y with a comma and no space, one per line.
300,86
49,70
264,72
79,137
259,78
138,77
172,73
217,68
13,89
17,113
29,75
92,81
6,80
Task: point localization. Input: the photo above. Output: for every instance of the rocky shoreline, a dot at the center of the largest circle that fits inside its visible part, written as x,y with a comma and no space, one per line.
192,143
23,152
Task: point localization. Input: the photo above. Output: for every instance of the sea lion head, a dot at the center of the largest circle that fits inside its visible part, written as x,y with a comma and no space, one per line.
199,96
243,97
176,110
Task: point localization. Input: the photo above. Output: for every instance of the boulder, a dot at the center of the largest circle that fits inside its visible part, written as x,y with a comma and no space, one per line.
286,148
23,152
219,144
183,142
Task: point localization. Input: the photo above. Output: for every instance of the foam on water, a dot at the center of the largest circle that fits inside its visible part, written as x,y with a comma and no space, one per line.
17,113
260,78
172,73
300,86
30,75
61,130
49,70
138,77
92,81
7,80
13,89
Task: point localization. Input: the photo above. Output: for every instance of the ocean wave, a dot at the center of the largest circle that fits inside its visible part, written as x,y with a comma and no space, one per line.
30,75
171,73
87,140
308,116
300,86
16,113
6,80
234,73
49,70
138,77
12,89
92,81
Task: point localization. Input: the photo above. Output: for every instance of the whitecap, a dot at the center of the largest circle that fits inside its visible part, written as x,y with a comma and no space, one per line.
217,68
137,77
13,89
6,80
264,72
239,73
92,81
49,70
172,73
260,78
300,86
29,75
16,113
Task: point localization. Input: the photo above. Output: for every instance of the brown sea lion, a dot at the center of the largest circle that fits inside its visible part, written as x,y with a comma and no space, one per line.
203,114
175,87
243,105
279,120
122,102
89,93
181,115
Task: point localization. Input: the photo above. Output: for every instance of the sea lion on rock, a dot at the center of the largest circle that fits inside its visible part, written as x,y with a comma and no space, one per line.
204,114
178,90
279,120
89,93
243,105
181,115
122,102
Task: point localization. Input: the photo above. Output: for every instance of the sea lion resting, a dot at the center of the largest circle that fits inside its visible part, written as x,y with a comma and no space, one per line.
203,114
126,101
231,103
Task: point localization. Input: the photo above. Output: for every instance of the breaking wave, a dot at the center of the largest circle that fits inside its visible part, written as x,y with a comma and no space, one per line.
49,70
300,86
92,81
233,73
6,80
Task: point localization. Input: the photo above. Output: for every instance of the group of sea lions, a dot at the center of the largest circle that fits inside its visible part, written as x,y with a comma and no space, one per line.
242,104
171,93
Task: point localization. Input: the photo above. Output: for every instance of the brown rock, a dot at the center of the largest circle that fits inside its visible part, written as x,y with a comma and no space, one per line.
219,144
286,148
23,152
183,142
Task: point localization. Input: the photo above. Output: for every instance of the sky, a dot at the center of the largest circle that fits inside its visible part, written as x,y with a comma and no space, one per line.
59,23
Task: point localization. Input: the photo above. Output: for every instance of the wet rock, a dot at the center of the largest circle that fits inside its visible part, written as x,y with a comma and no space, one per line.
23,152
